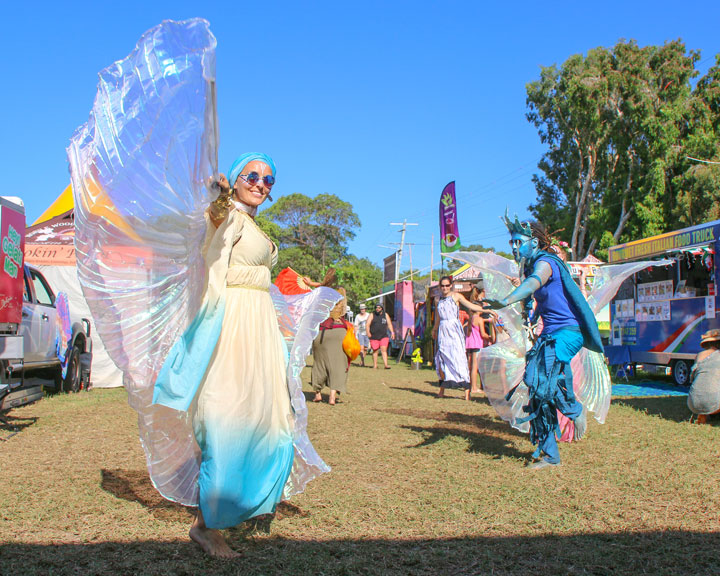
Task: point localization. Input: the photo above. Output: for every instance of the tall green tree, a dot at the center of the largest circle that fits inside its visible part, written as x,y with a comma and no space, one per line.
614,122
698,176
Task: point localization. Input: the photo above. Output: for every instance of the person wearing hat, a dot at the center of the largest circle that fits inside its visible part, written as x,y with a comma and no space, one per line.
704,394
361,332
330,363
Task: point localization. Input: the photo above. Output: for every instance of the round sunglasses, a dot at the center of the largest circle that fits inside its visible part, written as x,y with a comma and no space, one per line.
253,178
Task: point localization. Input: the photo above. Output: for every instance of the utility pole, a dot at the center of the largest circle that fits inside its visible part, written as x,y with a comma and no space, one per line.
404,225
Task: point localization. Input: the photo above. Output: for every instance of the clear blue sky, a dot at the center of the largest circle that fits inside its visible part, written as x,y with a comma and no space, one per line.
381,103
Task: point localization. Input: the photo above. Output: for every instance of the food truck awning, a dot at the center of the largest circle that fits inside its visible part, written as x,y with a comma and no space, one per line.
662,244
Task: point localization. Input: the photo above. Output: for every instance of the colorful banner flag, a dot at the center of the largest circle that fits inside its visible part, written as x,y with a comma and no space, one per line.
449,234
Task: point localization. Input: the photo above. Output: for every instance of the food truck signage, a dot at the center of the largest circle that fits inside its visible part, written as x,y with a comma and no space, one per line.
662,243
12,239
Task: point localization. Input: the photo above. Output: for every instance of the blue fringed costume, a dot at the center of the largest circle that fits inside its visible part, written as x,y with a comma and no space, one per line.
568,326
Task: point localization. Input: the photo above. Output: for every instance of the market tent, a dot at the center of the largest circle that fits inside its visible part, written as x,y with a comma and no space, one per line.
63,204
49,246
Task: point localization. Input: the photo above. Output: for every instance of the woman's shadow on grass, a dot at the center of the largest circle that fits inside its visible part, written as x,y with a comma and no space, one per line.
433,383
135,486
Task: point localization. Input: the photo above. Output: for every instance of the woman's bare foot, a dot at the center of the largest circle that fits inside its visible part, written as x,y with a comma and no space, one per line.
211,541
467,395
318,397
441,393
331,400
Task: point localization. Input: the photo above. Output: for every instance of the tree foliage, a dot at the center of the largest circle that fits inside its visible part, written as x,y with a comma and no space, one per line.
618,125
320,226
360,278
312,235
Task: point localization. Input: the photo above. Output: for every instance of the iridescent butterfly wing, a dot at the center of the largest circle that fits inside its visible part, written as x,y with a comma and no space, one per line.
140,170
502,365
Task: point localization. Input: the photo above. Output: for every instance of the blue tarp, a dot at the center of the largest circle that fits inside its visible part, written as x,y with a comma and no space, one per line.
648,389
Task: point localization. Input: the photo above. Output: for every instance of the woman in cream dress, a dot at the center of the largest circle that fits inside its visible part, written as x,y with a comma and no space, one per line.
242,416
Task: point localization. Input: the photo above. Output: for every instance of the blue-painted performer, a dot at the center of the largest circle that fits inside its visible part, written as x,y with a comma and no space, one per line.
177,275
568,326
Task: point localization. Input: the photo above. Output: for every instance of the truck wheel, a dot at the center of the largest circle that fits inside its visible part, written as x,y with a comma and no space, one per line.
681,372
72,376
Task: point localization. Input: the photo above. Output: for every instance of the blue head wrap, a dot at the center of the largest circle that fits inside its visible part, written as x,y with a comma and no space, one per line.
244,160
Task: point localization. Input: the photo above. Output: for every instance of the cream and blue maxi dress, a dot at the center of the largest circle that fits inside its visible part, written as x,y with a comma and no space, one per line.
242,417
236,372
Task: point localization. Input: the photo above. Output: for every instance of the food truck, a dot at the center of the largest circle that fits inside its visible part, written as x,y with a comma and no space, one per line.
659,314
12,353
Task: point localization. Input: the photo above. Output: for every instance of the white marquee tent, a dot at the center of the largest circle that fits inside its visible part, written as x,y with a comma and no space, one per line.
49,246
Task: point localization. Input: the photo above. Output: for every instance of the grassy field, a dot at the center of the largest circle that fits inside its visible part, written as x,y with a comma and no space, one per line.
418,486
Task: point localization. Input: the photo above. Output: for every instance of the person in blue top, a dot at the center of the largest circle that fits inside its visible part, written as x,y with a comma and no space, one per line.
568,325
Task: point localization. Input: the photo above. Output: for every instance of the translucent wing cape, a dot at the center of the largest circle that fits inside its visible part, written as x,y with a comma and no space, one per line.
140,170
502,365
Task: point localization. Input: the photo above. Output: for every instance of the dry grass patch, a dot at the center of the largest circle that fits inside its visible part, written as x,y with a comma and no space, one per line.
419,486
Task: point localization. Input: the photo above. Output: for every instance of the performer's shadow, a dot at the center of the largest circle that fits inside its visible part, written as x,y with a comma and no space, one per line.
477,421
484,435
135,486
478,441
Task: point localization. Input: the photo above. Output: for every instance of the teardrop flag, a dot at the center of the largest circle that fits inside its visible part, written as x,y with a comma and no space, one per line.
449,234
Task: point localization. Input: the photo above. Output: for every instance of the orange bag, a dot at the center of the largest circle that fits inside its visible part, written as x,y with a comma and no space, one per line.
350,344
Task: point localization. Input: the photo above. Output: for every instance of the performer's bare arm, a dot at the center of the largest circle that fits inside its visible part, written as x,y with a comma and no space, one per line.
539,277
311,282
459,298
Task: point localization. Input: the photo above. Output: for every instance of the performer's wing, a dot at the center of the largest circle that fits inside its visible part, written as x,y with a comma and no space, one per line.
591,378
299,316
502,365
140,168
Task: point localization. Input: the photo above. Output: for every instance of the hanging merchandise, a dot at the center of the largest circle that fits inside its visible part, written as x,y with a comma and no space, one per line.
708,261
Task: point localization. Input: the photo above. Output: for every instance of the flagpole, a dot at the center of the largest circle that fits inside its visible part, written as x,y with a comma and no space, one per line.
432,253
